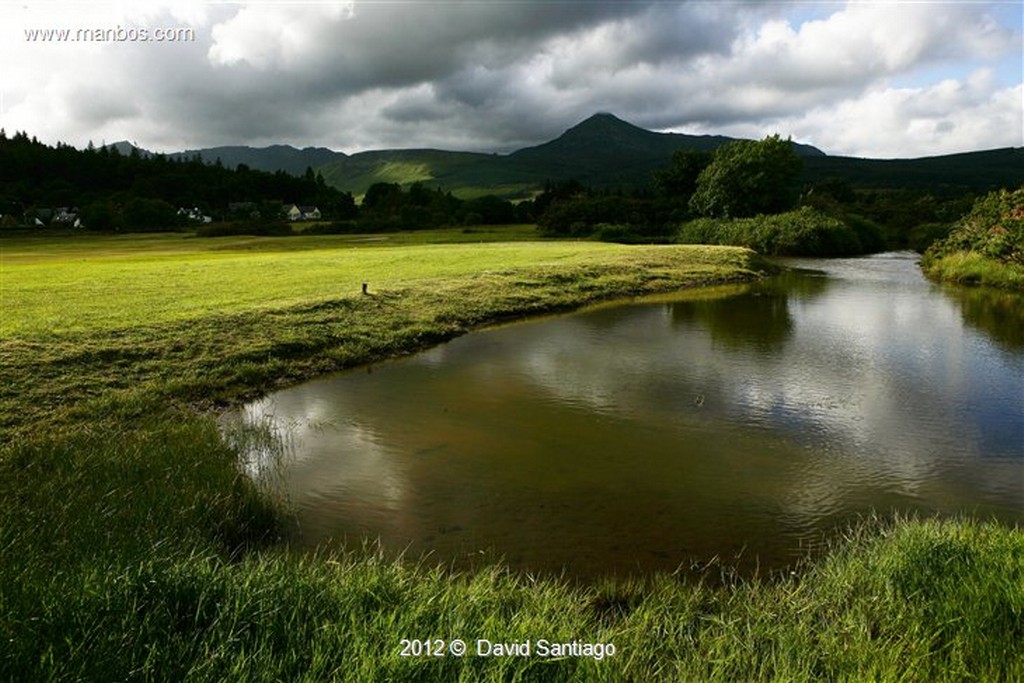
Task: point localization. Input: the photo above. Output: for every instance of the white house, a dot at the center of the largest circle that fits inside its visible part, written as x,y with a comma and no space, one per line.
294,212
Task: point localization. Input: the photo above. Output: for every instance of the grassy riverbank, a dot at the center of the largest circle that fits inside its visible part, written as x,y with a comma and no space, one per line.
985,247
973,268
131,548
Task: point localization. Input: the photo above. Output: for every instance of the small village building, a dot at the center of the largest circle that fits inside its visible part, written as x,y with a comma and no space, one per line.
294,212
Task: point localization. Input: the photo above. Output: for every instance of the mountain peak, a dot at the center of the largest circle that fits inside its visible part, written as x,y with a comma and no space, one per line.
603,121
125,148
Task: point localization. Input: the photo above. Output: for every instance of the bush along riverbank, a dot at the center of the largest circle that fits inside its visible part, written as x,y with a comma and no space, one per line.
132,546
985,247
803,232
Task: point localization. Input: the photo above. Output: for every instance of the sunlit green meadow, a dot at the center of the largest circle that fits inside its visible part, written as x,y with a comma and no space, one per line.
101,284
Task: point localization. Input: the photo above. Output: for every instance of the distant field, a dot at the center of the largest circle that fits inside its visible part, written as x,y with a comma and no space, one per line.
103,282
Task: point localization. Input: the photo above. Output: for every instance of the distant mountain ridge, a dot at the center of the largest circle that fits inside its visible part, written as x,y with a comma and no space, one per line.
601,151
605,136
274,158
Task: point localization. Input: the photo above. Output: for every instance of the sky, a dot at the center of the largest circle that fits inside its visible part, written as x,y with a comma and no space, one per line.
872,79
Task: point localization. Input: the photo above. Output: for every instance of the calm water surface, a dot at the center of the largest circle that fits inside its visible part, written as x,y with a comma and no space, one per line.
742,423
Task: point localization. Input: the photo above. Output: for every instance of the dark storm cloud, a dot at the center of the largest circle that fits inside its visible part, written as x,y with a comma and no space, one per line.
388,45
502,75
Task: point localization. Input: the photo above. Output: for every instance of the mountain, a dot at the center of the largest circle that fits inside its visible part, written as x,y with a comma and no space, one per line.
604,152
274,158
125,148
980,171
271,159
604,139
436,168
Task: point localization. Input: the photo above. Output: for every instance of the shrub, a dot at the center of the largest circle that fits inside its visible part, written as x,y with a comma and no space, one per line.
924,235
582,216
623,234
804,232
149,215
994,229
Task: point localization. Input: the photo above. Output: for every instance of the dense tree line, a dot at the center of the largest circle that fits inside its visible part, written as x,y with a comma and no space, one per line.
740,179
715,196
114,191
135,191
388,206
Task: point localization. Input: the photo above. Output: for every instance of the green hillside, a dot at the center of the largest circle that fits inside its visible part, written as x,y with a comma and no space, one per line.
274,158
607,152
986,170
436,168
603,151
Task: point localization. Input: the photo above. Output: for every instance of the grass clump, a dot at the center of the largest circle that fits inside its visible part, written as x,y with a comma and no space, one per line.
973,268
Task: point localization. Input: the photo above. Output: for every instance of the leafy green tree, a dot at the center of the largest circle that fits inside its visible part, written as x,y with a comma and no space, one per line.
101,215
747,177
384,196
679,181
490,210
144,214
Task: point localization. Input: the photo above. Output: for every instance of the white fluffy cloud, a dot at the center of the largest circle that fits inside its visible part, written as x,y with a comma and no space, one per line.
949,116
860,78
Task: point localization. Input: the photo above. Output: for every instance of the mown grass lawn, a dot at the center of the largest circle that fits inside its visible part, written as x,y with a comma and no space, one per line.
93,284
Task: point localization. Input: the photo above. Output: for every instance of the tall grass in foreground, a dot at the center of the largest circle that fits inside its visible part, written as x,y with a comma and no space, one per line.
121,561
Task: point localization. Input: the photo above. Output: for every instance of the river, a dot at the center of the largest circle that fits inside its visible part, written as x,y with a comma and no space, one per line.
742,424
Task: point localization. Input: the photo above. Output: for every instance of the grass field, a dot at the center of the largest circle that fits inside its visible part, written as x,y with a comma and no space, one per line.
114,326
131,548
92,283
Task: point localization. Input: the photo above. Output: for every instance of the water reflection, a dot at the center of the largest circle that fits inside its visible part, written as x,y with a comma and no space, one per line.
757,315
654,435
997,313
